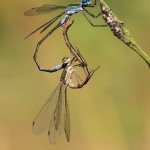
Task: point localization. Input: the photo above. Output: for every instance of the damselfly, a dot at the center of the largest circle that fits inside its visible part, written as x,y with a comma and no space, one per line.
54,115
69,11
119,30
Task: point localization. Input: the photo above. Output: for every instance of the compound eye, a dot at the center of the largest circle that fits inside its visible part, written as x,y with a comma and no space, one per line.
86,2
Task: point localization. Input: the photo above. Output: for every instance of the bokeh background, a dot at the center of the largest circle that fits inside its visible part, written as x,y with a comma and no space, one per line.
112,112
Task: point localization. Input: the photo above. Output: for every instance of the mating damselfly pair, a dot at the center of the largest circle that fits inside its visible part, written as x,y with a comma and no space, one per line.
54,116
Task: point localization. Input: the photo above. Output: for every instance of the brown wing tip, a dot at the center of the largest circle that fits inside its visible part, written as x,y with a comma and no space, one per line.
67,136
28,12
33,123
48,132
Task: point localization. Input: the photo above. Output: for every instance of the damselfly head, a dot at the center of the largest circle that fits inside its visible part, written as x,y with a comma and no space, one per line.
86,2
66,60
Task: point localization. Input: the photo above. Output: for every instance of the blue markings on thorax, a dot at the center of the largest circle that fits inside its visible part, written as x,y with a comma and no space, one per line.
72,9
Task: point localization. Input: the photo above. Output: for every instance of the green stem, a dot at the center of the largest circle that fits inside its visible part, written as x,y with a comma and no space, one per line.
125,36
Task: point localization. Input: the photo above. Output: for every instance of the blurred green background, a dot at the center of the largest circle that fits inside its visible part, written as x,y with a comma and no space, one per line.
112,112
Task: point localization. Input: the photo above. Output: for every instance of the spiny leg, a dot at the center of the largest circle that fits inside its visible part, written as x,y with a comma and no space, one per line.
93,71
84,63
91,14
92,23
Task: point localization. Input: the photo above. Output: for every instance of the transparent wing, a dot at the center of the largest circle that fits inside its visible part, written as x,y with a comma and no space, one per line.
45,25
43,9
58,120
45,116
52,133
58,110
67,118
